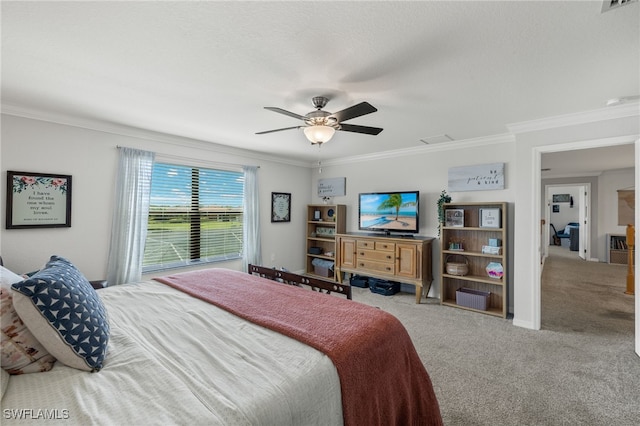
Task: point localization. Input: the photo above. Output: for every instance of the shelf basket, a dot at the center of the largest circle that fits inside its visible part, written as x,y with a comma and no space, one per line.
457,268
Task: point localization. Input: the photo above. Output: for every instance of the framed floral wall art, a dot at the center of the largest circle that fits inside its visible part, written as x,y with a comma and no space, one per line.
38,200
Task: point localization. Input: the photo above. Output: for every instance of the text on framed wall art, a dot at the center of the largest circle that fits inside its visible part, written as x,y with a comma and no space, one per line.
479,177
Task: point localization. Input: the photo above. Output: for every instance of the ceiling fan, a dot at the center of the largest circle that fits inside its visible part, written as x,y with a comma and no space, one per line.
319,126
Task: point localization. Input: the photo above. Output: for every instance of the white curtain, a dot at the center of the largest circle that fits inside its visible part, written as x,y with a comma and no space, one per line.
130,216
251,225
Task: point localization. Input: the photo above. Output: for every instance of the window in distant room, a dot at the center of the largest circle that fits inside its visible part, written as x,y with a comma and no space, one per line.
195,216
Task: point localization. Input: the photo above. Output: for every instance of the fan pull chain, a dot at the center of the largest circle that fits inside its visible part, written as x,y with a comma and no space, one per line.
319,159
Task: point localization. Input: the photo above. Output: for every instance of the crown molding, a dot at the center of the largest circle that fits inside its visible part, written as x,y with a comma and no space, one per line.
405,152
136,132
607,113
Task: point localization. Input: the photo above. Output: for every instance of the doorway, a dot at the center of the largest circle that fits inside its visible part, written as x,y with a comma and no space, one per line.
566,205
585,145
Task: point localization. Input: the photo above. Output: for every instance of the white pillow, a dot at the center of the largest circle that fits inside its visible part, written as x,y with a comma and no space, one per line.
20,351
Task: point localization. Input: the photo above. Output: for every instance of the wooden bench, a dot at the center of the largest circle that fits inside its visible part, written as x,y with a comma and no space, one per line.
290,278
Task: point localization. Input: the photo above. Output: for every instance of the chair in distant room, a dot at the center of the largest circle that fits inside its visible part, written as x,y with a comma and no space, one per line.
556,237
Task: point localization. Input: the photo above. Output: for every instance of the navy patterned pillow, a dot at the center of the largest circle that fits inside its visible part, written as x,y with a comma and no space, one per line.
65,314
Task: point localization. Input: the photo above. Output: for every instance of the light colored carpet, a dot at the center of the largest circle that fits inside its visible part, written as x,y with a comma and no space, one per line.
580,369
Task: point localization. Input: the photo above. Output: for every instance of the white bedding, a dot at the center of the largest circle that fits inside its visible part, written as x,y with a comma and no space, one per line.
174,359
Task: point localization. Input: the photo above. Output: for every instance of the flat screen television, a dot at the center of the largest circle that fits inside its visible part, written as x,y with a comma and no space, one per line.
389,212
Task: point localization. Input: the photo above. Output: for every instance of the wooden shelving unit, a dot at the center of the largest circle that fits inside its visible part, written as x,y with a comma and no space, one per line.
324,221
617,249
472,237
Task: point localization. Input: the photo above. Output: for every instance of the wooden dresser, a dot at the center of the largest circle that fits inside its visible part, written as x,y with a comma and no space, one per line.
403,259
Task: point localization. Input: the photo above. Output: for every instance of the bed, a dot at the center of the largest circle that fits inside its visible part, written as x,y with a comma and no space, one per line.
224,347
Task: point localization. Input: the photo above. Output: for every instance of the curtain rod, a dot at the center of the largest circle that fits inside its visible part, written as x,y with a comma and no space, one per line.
190,159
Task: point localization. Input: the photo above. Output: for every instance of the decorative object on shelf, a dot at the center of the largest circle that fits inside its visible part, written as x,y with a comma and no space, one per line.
495,242
495,270
492,250
444,198
490,218
316,215
280,207
456,245
326,200
38,200
454,217
325,232
477,177
457,268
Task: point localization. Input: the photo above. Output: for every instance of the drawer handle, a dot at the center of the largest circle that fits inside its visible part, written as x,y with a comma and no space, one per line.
388,268
389,257
361,253
361,264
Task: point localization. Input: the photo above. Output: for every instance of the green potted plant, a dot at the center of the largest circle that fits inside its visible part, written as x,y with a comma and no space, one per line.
444,198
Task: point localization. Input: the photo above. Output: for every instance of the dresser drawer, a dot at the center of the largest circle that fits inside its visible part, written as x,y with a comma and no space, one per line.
373,266
384,246
379,256
366,244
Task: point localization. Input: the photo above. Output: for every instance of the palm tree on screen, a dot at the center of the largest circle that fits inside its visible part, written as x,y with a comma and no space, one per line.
395,202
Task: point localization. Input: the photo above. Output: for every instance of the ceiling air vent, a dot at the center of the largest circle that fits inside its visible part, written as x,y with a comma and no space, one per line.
436,139
607,5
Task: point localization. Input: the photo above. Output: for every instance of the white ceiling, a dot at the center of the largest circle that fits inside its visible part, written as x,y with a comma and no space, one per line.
205,70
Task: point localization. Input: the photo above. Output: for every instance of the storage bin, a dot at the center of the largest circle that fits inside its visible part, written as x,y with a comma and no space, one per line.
322,267
322,271
359,281
384,287
474,299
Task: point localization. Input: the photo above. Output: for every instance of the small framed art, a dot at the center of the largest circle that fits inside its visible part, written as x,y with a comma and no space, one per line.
490,218
454,217
280,207
561,198
38,200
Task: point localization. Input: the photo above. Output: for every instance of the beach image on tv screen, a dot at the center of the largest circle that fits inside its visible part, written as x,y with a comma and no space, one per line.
393,211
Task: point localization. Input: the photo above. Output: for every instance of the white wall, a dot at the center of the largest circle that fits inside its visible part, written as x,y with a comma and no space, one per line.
609,184
90,156
424,169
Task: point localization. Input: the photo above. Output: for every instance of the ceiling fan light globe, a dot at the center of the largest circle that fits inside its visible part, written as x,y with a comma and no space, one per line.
319,134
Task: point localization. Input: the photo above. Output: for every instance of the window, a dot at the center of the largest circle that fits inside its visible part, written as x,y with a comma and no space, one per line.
195,215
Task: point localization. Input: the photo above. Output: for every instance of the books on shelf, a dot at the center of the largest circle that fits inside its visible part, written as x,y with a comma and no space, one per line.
619,243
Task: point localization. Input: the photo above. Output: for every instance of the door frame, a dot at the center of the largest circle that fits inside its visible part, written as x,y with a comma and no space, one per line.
537,203
584,249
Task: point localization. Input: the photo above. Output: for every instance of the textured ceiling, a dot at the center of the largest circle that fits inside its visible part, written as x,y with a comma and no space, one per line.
205,70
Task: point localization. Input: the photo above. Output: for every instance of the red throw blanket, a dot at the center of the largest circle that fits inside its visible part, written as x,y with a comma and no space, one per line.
383,380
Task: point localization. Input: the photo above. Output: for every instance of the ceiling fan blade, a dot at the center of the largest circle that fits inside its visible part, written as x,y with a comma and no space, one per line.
285,112
360,129
362,108
278,130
